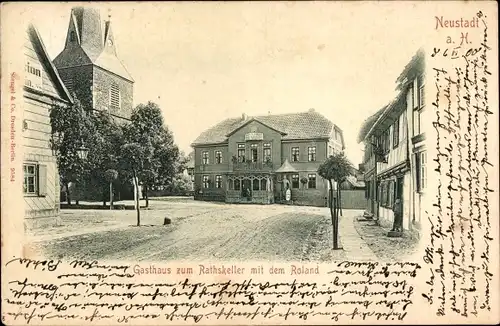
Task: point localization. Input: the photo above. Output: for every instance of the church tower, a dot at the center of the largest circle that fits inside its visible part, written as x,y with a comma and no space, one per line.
90,68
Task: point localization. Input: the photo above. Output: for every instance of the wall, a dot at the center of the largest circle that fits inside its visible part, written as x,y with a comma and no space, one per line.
269,135
42,207
79,80
40,210
304,164
353,199
211,167
211,170
102,80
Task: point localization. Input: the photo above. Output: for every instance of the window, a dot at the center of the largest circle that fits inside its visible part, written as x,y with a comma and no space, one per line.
423,171
218,157
402,127
384,141
255,184
421,92
416,122
295,154
35,179
395,133
206,181
30,179
337,135
390,194
218,181
241,152
311,184
254,152
414,94
311,154
72,36
204,158
295,181
263,184
114,96
418,105
237,184
421,97
267,152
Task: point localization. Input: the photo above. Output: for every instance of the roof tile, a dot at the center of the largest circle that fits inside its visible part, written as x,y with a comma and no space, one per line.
304,125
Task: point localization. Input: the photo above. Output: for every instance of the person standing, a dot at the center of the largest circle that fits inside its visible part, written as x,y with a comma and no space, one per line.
397,208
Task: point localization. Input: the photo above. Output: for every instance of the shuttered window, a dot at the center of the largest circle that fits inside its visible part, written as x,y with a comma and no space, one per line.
35,179
114,96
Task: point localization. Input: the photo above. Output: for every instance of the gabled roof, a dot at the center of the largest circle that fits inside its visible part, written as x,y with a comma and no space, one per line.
257,120
355,182
35,37
413,69
90,45
368,124
296,126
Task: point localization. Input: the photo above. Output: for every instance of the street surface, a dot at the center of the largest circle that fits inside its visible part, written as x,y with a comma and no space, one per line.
201,231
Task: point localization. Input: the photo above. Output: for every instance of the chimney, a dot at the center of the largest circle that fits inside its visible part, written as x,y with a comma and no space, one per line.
244,117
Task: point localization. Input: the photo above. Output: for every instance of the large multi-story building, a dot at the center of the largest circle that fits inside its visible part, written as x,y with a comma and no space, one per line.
42,89
395,157
255,159
89,65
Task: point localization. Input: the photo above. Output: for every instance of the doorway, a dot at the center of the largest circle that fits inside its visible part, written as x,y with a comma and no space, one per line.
246,189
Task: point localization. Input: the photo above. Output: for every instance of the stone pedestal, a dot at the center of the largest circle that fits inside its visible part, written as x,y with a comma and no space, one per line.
395,234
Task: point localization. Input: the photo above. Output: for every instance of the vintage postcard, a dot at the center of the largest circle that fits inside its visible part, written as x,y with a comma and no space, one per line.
249,163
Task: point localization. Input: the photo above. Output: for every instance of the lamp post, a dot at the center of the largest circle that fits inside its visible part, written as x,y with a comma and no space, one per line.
82,153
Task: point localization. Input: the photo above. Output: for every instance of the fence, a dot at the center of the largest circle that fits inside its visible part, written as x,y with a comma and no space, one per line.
353,199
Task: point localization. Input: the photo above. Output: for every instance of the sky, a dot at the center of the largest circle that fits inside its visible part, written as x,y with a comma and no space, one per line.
204,62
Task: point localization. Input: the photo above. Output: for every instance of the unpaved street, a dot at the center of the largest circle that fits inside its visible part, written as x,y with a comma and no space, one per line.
199,231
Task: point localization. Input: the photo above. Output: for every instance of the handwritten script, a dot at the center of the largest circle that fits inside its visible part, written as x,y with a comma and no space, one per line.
93,292
458,254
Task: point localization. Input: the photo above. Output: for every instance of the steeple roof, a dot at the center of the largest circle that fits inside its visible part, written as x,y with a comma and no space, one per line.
88,41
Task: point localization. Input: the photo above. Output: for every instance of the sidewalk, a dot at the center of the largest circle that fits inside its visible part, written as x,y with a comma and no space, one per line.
355,247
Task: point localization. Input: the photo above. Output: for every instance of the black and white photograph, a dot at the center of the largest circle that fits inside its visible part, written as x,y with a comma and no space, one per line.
275,147
331,148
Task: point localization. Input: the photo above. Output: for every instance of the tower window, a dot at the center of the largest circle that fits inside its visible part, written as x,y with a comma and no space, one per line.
114,96
72,36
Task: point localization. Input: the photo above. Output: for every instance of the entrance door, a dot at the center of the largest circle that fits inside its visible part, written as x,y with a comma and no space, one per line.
246,189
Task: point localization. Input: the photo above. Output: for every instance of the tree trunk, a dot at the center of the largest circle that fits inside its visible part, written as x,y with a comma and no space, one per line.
68,194
104,201
335,225
339,199
146,195
330,200
77,201
136,185
111,195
